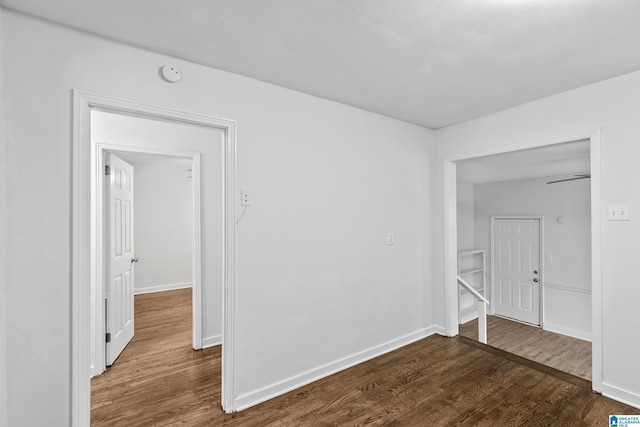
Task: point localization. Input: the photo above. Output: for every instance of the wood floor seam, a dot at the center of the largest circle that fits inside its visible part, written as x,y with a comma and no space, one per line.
547,370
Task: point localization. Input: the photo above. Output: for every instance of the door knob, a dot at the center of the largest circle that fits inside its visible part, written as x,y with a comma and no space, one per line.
535,280
535,271
134,260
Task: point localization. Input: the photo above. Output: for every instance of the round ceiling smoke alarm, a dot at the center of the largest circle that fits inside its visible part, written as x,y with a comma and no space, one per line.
171,74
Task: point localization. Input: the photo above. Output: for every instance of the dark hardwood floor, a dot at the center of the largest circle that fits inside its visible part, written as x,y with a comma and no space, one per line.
559,351
438,381
158,379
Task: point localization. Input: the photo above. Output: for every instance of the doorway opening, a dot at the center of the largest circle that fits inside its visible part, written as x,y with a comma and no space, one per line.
218,201
518,302
169,231
149,240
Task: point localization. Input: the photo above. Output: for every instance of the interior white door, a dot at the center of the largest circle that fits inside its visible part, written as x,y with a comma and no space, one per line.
516,259
119,289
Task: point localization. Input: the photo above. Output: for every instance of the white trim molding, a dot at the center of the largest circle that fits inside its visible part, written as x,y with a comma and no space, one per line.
468,317
83,249
211,341
438,329
161,288
196,259
450,234
450,248
596,264
566,288
563,330
621,395
281,387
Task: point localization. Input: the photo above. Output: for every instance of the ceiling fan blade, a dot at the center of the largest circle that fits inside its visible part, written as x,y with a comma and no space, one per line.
570,179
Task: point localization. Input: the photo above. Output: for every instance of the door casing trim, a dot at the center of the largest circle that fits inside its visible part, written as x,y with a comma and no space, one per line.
83,263
450,235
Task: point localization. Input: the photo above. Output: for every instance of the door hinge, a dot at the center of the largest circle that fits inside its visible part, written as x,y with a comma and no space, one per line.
107,170
108,336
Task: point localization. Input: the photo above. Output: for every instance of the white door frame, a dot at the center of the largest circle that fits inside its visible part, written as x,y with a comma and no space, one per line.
540,220
450,237
83,243
98,284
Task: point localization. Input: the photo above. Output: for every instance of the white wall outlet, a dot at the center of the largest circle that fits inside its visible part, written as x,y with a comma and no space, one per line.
390,239
618,213
244,198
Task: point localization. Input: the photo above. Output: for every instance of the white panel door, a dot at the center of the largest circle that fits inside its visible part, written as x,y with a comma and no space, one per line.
516,259
119,287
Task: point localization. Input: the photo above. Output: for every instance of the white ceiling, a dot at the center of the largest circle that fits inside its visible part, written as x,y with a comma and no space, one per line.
429,62
559,160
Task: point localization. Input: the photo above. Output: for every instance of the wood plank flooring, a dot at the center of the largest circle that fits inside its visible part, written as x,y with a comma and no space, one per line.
437,381
565,353
158,378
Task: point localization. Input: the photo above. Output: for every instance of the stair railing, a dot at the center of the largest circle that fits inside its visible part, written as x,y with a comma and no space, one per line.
482,309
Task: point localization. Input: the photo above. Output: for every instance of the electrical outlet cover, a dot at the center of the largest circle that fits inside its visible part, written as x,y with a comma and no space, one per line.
244,199
618,213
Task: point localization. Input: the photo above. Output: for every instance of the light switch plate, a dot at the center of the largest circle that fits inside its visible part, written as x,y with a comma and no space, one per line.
618,213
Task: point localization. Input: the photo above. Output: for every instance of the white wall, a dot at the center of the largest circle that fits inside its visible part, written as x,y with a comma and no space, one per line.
163,226
3,239
613,105
317,285
567,246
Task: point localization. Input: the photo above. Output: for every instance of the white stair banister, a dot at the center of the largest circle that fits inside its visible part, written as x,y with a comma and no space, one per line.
482,309
482,322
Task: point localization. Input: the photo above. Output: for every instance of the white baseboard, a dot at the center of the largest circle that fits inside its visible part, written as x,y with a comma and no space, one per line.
258,396
211,341
468,317
439,330
582,335
161,288
621,395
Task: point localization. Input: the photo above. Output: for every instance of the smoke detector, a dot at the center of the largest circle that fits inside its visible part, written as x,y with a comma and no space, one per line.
171,74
